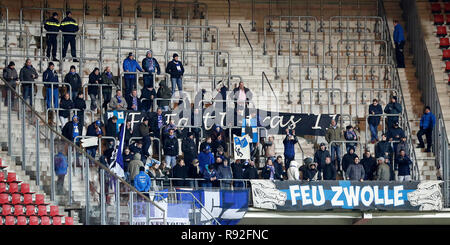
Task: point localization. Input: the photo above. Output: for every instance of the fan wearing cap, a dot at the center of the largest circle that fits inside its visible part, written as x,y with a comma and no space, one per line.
392,108
130,65
72,129
50,75
11,77
150,65
176,70
74,80
383,171
52,25
69,26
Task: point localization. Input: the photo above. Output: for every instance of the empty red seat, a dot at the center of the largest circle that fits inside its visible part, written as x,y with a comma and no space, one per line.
4,198
16,199
444,43
33,220
10,220
42,210
6,210
447,19
56,220
25,188
438,19
21,220
18,210
27,199
39,199
45,220
441,31
436,8
54,211
447,7
12,178
447,66
30,210
3,187
445,54
2,176
68,221
13,187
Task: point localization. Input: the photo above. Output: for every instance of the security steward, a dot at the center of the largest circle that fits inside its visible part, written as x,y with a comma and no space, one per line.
69,25
52,25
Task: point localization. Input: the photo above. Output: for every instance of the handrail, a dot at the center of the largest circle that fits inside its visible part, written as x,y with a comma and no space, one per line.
416,173
246,37
264,77
79,149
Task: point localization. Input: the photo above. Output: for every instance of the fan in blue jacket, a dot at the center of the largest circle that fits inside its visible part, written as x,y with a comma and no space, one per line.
427,122
289,147
130,65
50,75
142,181
205,158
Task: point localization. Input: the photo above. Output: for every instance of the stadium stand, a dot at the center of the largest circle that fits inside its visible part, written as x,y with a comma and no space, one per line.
327,58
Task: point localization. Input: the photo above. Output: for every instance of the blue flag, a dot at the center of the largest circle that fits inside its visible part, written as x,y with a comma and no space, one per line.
117,161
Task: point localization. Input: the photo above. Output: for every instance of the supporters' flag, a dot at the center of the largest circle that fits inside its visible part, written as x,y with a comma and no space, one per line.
116,165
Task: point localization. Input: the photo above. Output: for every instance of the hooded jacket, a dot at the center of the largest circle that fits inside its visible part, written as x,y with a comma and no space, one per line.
370,167
164,92
355,172
189,149
142,182
205,158
134,165
310,173
348,160
293,173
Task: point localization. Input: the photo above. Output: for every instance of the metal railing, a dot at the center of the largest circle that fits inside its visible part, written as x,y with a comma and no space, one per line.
308,51
426,78
248,41
46,169
264,78
388,92
330,94
186,28
321,70
289,28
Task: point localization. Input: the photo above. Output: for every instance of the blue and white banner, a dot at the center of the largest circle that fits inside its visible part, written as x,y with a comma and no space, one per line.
241,147
117,164
194,207
325,195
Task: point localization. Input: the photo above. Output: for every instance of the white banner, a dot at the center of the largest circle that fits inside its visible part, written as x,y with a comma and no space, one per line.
241,147
91,141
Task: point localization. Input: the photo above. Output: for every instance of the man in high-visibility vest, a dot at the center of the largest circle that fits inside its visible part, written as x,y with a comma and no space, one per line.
69,25
52,25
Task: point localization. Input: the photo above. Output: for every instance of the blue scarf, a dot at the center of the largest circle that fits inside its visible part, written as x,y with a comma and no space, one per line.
160,122
109,74
151,66
135,103
75,130
119,99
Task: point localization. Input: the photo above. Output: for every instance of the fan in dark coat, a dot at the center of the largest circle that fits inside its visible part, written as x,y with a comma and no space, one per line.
180,171
370,166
